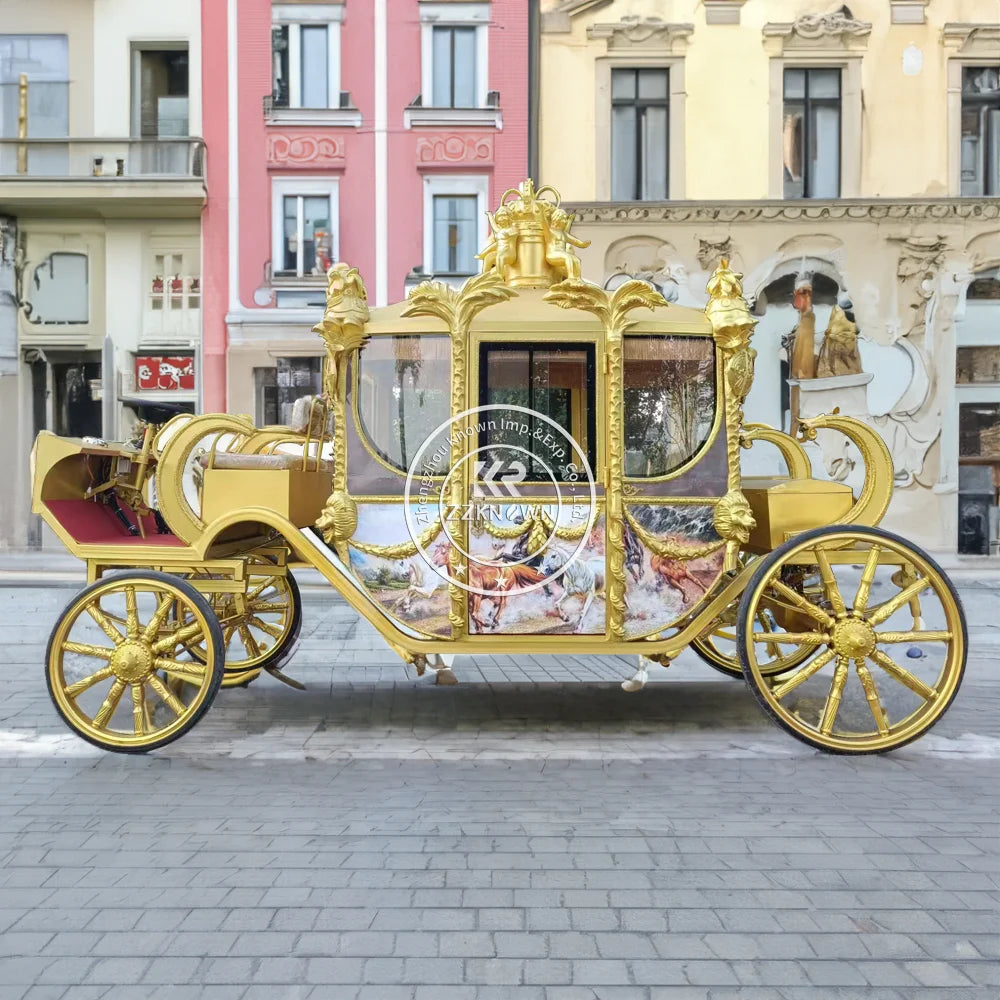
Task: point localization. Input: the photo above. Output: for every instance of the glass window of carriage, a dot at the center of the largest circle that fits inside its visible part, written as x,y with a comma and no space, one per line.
556,380
670,398
403,394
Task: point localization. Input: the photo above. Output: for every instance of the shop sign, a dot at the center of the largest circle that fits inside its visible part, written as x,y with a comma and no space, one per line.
160,372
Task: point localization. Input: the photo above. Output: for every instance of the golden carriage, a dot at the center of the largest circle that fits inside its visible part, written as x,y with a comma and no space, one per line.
528,464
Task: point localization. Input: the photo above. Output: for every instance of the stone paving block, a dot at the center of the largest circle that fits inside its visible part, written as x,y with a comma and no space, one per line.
172,971
600,971
116,971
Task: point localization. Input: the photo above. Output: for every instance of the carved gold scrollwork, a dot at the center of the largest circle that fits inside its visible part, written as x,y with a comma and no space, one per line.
732,327
794,455
613,311
876,493
457,309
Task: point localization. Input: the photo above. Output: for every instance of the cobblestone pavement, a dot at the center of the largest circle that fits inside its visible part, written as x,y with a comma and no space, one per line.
533,833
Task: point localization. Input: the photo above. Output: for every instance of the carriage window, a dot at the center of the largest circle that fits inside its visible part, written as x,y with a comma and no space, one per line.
669,387
404,387
556,380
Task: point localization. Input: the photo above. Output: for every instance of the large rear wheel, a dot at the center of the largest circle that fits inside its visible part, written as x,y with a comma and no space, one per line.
881,601
118,666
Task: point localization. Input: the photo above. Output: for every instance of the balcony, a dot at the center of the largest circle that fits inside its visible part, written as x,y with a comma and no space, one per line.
103,177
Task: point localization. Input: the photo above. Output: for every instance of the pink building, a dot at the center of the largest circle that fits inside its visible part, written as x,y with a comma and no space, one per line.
373,131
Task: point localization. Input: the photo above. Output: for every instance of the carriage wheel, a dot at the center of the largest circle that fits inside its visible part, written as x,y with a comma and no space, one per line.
117,668
850,693
718,649
264,634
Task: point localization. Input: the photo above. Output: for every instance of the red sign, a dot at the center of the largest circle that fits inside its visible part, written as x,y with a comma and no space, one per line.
158,372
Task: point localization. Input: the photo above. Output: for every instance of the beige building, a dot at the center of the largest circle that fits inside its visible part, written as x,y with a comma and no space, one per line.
856,149
101,194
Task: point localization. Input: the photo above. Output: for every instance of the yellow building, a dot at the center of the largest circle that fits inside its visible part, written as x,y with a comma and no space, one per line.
851,150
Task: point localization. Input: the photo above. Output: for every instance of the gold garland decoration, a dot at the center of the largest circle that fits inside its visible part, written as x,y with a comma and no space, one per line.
402,550
539,520
667,550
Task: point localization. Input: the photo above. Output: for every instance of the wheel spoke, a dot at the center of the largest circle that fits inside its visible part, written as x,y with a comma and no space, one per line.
249,642
792,638
257,591
917,636
884,611
182,635
871,693
88,682
830,587
131,614
159,617
167,696
86,649
833,699
275,631
867,578
95,612
139,709
810,669
271,608
794,597
109,704
915,684
189,670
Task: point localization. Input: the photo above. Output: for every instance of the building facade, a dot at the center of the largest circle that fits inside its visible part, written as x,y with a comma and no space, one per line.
373,131
101,194
855,151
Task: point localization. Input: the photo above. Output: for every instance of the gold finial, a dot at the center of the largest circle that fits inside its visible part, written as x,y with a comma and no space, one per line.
531,245
727,310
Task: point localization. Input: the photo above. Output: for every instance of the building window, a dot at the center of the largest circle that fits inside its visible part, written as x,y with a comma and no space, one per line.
58,291
810,138
455,227
639,134
305,227
160,93
44,59
455,245
453,54
305,56
173,288
454,67
277,388
980,156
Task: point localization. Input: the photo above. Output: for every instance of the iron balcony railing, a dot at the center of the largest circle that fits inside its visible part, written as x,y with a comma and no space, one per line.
160,158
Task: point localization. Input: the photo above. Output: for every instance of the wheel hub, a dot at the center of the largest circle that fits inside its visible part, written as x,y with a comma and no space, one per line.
853,638
132,661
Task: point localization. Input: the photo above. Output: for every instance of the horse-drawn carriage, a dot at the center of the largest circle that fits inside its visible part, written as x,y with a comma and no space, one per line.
528,464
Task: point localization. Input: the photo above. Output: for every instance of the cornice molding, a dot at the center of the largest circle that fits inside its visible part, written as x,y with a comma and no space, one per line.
972,39
641,33
559,20
937,210
812,31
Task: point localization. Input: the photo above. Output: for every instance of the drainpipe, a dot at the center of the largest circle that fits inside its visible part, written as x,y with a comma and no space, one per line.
534,85
22,123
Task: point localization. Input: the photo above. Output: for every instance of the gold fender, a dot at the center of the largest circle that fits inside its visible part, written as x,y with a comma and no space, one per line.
183,520
873,501
794,455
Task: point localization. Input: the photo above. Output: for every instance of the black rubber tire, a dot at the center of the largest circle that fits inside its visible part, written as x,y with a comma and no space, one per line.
215,636
766,565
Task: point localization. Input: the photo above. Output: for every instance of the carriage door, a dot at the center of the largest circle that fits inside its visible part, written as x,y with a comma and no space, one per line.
536,560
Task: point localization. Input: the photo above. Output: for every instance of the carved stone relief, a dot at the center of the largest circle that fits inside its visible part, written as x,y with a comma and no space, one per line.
304,150
454,148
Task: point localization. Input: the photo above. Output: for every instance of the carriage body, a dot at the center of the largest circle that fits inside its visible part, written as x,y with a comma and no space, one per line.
530,463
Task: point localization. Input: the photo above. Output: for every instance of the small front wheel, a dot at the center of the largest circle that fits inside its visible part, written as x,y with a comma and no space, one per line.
882,639
119,667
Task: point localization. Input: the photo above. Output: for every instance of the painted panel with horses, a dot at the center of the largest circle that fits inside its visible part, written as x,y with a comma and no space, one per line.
547,579
672,557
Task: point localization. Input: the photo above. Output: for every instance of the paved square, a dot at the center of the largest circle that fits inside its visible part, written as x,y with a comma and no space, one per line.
534,832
